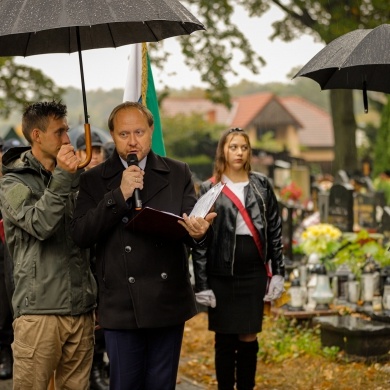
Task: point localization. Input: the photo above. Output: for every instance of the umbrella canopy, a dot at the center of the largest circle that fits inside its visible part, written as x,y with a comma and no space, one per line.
359,59
50,26
61,26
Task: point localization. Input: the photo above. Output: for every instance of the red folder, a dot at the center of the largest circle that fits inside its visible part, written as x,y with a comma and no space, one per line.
156,222
164,224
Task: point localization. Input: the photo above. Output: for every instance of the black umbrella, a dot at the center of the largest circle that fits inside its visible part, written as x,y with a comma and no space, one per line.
359,59
66,26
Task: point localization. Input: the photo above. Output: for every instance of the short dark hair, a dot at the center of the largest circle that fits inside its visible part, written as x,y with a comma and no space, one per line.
36,115
127,105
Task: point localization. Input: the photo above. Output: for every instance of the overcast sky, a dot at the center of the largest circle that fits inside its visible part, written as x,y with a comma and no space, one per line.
107,68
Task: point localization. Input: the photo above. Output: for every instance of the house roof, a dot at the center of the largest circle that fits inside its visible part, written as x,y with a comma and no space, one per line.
262,110
219,113
248,107
317,130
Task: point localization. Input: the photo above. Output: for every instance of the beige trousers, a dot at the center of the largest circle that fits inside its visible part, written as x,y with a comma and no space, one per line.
47,345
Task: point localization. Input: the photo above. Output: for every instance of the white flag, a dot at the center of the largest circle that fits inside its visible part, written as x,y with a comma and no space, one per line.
133,88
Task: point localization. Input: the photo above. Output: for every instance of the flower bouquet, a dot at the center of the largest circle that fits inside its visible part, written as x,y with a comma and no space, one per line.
291,192
322,239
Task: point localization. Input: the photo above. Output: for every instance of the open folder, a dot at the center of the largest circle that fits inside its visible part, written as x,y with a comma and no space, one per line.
164,224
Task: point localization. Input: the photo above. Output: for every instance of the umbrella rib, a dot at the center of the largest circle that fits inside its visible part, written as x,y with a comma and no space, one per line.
25,50
184,27
111,35
155,37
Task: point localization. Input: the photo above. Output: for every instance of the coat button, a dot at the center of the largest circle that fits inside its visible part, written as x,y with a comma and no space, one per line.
110,202
164,275
131,280
125,219
128,249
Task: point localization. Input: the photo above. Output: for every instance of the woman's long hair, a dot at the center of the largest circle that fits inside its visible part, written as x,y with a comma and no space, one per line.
220,160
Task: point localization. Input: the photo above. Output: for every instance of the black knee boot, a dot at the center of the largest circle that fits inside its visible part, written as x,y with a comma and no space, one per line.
225,360
246,364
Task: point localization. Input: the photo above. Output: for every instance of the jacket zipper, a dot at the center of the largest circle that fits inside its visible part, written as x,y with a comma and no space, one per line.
265,224
234,251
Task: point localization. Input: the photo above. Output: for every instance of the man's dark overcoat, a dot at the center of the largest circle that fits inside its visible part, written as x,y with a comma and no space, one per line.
143,280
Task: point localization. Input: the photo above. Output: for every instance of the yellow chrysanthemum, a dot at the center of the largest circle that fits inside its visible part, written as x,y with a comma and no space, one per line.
319,238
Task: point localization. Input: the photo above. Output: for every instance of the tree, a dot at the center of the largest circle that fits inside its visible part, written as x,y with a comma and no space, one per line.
192,139
382,145
20,85
211,51
186,136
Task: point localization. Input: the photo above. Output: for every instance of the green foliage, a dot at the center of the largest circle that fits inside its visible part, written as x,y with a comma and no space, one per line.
382,184
211,51
286,339
190,136
201,166
100,104
21,85
382,145
356,247
268,142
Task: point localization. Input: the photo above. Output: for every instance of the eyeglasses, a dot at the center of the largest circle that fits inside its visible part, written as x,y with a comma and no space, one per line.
236,130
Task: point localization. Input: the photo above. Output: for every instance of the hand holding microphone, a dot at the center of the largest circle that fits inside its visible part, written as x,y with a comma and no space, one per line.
132,181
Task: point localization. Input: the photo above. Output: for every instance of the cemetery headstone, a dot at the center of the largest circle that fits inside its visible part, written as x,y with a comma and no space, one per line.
385,225
340,208
286,213
366,211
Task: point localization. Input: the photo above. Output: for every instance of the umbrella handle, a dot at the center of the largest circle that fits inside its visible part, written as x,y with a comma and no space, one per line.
88,146
365,100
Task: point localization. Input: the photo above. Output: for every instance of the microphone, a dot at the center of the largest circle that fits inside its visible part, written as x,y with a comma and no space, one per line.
132,159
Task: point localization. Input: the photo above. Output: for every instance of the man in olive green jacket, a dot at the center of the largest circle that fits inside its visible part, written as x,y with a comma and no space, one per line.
55,292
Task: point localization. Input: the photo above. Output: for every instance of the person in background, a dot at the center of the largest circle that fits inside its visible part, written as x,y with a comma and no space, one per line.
55,292
145,292
98,371
11,143
109,148
233,272
6,332
97,149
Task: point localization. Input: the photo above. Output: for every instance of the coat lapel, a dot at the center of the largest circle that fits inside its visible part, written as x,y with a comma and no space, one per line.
112,171
156,174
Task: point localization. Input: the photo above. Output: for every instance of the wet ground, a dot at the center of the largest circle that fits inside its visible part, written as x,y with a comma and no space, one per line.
185,384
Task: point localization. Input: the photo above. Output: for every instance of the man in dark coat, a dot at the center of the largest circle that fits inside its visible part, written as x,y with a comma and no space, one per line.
145,294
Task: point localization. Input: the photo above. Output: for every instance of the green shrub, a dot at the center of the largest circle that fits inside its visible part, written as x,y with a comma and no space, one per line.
286,339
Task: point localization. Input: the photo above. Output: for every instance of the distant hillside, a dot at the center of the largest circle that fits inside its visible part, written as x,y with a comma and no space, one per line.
99,103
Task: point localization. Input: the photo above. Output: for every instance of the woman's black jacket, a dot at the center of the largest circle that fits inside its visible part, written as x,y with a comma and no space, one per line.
262,206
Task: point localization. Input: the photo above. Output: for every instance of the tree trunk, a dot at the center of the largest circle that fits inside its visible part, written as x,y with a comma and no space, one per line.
344,128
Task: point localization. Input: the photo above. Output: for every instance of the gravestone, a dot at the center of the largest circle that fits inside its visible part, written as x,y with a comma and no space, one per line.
315,192
323,206
385,225
355,335
340,207
366,211
286,214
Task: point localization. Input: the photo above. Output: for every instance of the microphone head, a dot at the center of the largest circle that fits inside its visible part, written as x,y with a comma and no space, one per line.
132,159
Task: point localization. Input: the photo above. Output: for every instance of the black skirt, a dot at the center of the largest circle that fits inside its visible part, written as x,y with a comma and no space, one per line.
239,297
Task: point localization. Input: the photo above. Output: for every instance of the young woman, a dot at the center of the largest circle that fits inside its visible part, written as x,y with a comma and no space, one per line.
242,260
